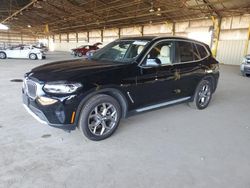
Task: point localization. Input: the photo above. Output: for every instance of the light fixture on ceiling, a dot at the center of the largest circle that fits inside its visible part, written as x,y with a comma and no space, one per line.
29,26
3,27
158,12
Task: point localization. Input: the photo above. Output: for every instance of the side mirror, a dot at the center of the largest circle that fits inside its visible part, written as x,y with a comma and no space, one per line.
153,62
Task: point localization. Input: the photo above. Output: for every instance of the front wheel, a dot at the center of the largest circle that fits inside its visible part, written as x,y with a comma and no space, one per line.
202,96
100,117
80,54
33,56
2,55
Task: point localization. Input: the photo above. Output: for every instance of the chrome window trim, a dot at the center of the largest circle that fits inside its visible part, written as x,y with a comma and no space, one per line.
165,40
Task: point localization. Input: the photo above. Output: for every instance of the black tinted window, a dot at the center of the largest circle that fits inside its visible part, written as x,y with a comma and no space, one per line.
187,52
202,50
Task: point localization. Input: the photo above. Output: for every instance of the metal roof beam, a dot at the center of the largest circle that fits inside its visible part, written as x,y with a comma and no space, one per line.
17,12
212,8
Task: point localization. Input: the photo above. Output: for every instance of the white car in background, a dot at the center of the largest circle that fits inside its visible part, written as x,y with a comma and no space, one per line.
22,52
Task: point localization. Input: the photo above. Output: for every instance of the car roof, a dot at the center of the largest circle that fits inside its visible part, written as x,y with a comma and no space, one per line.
156,38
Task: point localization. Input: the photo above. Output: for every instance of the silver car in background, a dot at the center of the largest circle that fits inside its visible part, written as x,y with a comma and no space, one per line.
245,66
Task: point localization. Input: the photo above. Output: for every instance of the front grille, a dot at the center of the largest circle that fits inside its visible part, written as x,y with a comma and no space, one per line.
31,89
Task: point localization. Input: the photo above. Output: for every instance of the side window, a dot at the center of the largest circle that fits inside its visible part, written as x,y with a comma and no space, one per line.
26,48
16,48
202,51
187,52
161,54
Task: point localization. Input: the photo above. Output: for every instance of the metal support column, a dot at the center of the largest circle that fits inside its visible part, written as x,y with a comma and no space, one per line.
216,35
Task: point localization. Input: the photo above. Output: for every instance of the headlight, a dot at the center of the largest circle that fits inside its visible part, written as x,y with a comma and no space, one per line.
61,88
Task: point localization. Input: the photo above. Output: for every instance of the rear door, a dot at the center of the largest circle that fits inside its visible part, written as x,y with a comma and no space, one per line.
187,67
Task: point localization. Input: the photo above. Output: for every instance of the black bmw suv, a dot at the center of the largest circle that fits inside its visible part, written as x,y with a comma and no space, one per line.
127,76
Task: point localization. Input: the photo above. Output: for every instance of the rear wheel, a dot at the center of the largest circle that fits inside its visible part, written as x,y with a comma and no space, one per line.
100,117
2,55
203,95
33,56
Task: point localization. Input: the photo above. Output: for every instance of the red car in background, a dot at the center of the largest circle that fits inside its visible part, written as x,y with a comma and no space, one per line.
82,50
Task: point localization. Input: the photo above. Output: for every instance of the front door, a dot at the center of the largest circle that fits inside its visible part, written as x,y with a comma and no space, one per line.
156,78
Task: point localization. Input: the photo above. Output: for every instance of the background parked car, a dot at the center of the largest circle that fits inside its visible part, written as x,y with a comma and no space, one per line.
22,52
245,66
82,50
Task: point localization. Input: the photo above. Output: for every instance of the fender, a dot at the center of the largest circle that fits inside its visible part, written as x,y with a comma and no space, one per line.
114,92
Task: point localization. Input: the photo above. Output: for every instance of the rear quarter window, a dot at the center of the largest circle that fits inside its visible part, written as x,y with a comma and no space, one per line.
187,52
202,51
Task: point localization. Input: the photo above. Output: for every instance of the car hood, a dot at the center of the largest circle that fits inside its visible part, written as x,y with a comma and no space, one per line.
71,69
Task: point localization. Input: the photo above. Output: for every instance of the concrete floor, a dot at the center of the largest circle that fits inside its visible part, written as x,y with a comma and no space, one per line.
173,147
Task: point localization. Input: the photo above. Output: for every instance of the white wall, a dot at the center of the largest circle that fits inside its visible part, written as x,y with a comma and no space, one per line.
233,39
8,38
231,51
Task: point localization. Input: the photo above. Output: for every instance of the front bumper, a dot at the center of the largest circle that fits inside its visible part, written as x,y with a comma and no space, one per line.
41,56
62,114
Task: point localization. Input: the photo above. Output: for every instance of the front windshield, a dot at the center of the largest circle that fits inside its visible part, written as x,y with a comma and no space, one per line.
123,51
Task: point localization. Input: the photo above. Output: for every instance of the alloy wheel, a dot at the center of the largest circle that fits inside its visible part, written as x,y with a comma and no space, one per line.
204,95
33,56
2,56
102,119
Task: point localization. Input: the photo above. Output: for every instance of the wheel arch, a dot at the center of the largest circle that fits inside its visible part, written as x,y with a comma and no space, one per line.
209,78
212,81
115,93
4,53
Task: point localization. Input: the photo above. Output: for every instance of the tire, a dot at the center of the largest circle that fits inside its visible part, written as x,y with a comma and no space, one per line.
33,56
202,96
79,54
3,55
100,117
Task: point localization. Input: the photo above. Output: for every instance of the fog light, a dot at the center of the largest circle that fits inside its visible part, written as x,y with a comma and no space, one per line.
46,101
